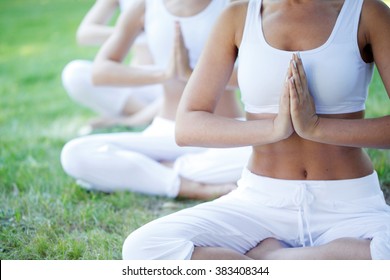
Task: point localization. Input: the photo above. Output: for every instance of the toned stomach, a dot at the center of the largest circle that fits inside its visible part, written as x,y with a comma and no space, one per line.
298,159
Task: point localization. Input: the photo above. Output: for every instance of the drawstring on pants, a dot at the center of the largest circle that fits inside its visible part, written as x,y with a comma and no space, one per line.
302,200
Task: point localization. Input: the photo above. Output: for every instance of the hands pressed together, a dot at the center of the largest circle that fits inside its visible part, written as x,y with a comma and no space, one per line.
179,65
297,111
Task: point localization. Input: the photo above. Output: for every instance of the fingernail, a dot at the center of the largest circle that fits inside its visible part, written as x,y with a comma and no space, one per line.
299,55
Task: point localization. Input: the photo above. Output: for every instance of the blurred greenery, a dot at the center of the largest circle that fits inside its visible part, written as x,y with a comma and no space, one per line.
43,213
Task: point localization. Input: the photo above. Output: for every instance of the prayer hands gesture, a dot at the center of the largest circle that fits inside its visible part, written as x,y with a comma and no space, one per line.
296,109
283,126
302,107
179,67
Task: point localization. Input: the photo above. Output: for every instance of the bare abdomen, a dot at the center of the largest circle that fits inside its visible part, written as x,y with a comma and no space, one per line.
298,159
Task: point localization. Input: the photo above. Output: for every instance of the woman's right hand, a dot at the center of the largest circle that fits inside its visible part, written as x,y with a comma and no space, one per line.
179,65
182,59
283,126
171,72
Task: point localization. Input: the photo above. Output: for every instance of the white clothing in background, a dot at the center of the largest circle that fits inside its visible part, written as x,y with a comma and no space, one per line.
105,100
160,28
131,161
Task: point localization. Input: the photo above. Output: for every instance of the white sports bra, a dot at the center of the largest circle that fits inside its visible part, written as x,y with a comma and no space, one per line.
337,76
123,4
159,28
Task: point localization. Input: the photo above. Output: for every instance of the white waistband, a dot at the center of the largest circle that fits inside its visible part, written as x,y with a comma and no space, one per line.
327,189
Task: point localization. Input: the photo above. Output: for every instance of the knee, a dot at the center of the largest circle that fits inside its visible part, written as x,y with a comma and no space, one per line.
70,158
380,246
192,167
134,246
150,242
76,76
213,166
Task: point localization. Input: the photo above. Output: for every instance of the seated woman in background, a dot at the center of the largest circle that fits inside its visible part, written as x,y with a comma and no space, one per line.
150,161
309,190
116,105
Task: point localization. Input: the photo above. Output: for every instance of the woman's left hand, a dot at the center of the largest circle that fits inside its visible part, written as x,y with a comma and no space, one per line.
303,111
181,56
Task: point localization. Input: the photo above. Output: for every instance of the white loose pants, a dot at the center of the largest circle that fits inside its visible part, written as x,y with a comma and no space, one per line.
105,100
131,161
299,213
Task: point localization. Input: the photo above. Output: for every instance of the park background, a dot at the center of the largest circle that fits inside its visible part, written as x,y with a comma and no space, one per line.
43,213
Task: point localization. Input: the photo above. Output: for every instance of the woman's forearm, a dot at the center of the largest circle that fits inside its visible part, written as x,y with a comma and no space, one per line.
205,129
93,35
108,72
95,28
363,133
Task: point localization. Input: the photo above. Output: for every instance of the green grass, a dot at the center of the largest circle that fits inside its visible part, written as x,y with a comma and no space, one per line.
43,214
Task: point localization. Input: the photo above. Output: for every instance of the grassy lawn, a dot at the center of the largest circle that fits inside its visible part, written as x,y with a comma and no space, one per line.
43,214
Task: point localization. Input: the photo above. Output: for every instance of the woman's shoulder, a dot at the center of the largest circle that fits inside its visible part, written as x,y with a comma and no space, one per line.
236,9
375,15
372,8
374,31
233,18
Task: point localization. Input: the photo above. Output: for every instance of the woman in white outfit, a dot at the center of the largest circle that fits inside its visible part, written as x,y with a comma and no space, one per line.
309,190
115,105
150,162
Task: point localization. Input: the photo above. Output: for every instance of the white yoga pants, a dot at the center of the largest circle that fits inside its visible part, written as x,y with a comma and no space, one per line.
105,100
299,213
131,161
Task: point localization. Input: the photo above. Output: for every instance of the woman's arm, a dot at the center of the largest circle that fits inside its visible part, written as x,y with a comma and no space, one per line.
373,133
196,125
108,68
140,118
180,62
94,29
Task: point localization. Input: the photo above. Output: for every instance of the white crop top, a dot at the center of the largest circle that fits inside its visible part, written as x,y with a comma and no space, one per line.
337,76
124,4
159,28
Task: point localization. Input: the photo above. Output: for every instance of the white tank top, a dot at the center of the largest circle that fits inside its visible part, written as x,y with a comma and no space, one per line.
123,4
159,28
337,76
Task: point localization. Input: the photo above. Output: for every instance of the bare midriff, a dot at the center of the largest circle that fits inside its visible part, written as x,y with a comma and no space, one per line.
296,158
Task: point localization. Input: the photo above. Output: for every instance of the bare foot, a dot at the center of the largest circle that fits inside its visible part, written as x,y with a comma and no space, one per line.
339,249
104,122
196,190
266,249
97,123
